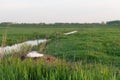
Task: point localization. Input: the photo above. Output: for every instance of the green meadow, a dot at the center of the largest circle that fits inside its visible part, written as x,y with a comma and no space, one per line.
93,53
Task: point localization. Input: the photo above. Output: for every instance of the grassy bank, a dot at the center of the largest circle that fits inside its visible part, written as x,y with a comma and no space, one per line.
15,69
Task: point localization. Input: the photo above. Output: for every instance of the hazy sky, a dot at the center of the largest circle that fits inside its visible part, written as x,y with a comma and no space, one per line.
50,11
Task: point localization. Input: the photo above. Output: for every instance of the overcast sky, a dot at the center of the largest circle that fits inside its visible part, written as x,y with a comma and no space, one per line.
50,11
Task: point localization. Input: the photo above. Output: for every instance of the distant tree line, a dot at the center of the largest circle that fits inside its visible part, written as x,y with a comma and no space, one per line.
5,23
115,22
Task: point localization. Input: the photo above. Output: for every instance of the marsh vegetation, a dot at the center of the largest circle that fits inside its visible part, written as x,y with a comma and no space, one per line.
93,53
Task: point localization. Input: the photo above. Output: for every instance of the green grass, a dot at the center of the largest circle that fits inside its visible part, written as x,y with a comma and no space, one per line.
91,54
15,69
